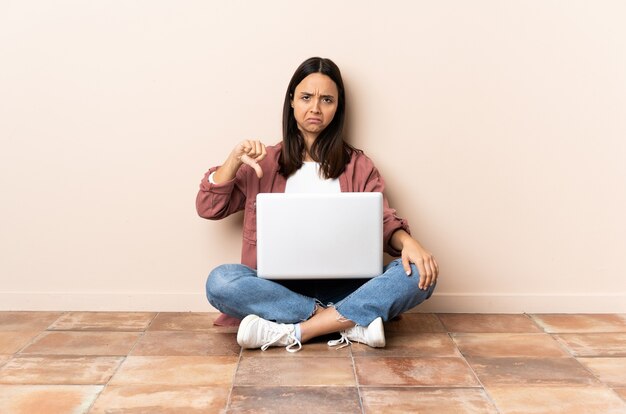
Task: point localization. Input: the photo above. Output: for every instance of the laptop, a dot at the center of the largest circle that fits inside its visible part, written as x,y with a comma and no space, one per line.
319,236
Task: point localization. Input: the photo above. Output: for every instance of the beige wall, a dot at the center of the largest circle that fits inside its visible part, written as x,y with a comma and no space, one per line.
500,127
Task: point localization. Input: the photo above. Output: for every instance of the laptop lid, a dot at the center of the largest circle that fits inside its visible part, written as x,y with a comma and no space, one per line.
319,236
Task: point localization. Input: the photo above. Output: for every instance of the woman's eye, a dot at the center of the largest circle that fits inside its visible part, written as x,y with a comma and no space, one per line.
305,97
328,100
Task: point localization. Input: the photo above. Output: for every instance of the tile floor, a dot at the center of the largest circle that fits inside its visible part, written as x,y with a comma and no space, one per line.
91,362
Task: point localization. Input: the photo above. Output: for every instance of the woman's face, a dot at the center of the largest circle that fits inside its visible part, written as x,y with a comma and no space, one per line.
314,104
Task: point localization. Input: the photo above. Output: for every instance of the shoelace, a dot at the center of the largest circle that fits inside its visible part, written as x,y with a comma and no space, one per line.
280,333
343,340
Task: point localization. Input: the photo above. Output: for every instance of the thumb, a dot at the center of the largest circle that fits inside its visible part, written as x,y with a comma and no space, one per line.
252,163
406,264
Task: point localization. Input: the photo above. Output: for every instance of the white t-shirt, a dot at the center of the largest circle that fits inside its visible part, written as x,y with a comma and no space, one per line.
308,180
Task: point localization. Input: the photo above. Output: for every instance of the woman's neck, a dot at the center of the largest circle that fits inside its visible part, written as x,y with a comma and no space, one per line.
307,157
308,143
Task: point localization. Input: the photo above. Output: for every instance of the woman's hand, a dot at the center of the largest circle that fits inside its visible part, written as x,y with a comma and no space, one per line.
413,252
248,152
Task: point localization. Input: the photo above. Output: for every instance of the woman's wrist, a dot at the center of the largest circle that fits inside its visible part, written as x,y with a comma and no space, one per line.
399,239
227,171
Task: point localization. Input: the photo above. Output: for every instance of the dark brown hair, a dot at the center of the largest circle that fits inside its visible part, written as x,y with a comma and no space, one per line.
329,148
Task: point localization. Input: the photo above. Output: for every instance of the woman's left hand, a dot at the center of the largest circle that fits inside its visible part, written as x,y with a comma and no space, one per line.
413,252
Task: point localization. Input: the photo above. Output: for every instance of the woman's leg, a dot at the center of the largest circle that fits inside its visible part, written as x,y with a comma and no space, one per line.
325,321
385,296
237,291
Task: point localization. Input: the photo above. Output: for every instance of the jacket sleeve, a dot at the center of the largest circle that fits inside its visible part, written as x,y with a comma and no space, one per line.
216,201
391,221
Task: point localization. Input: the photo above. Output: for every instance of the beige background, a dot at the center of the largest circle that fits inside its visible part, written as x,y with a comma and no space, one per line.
499,126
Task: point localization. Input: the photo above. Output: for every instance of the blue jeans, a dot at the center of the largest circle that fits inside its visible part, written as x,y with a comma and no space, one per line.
236,290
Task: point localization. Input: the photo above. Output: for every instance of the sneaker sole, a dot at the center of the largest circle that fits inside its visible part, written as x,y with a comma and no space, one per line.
243,328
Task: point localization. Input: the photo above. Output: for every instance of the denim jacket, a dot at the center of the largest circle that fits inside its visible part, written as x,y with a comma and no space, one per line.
216,201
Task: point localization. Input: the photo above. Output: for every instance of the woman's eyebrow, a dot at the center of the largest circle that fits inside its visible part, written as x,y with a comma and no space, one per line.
312,94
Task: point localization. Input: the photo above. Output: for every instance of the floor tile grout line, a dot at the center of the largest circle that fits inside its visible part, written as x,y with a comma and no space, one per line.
50,328
63,313
122,360
105,386
36,337
614,391
534,321
482,386
31,342
356,381
556,331
156,315
90,330
232,385
561,345
597,378
445,328
139,338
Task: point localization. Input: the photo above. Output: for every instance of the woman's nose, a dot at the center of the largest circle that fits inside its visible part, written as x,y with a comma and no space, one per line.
316,106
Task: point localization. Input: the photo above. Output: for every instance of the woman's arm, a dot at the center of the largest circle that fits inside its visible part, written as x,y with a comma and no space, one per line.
223,189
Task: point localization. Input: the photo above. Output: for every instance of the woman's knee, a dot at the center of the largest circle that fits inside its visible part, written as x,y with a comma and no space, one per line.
396,271
410,283
220,280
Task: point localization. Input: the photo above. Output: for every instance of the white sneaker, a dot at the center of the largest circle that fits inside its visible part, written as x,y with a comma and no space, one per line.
372,335
255,332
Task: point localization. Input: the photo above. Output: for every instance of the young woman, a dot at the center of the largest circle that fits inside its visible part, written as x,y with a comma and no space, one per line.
312,157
